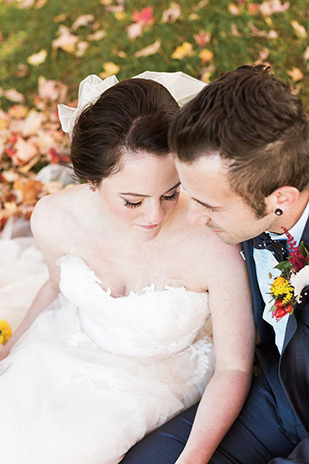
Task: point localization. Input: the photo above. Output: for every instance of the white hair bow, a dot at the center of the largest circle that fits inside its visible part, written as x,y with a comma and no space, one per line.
181,86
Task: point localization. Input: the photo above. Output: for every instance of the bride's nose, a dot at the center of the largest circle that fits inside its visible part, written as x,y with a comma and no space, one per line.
154,213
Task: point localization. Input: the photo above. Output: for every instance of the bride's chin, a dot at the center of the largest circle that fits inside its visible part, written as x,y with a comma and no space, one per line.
145,235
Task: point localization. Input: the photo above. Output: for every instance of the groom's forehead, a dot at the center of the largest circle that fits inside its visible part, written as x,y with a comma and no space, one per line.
206,180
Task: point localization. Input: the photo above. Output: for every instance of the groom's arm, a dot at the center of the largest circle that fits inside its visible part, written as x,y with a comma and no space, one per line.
300,454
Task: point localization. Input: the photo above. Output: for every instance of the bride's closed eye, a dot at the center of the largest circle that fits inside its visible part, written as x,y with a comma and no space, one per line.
172,197
132,205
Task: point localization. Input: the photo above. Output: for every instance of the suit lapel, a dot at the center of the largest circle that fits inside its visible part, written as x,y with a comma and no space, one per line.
258,304
292,324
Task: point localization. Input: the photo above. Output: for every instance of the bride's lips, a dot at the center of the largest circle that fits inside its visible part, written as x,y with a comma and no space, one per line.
150,227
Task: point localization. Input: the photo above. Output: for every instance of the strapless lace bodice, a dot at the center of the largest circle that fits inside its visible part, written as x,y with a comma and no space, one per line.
149,323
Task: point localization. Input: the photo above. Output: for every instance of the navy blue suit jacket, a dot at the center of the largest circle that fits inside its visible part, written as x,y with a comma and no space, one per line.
288,373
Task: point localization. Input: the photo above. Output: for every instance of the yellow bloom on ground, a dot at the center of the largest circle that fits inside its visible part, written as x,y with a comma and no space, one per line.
183,50
282,288
5,332
109,69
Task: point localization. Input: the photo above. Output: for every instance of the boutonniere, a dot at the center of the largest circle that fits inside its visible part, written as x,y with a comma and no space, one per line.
286,289
5,332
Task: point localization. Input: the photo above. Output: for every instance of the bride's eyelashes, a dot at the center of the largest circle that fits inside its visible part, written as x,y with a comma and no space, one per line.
172,197
128,204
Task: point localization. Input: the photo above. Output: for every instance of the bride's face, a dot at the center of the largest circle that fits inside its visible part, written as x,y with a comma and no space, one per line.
139,197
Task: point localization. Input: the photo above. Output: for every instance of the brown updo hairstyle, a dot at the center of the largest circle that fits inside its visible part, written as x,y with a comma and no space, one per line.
130,117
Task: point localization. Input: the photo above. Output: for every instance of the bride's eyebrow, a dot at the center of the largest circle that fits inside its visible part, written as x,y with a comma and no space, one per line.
132,194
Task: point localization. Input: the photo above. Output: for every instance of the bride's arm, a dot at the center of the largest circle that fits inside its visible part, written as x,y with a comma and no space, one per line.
46,295
49,290
233,331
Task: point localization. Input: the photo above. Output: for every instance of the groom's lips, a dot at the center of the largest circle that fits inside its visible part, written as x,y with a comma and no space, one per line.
213,229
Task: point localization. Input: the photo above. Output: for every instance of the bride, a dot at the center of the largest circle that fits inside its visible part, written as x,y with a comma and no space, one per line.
117,340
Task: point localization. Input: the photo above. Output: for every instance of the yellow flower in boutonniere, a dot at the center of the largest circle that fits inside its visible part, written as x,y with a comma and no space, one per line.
281,288
5,332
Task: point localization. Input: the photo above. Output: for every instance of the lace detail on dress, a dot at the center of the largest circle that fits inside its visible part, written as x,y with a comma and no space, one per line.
150,323
100,372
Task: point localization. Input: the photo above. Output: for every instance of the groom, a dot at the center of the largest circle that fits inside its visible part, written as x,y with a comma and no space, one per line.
242,150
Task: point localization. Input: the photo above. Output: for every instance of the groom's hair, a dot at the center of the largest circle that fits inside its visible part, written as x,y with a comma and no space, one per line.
256,124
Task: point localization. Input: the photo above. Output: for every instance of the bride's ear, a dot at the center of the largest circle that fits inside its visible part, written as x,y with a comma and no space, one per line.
283,199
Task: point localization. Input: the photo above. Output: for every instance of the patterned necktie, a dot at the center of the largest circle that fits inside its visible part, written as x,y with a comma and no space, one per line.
277,247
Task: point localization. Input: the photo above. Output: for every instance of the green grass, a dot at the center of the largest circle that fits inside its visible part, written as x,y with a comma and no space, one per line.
27,31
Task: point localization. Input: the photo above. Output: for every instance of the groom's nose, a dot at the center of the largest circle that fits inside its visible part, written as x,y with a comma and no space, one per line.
197,214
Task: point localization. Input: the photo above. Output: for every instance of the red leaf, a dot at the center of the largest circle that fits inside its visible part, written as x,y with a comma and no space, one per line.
145,16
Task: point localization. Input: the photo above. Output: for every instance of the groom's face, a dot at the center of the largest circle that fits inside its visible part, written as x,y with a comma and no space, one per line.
215,204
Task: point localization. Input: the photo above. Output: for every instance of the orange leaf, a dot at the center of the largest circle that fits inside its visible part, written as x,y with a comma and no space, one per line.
206,56
29,188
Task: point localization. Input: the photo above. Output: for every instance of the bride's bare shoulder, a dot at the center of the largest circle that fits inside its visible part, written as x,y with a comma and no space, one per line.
57,212
198,237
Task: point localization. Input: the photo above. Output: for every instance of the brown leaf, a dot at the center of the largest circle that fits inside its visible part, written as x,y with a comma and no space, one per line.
14,96
83,20
18,111
135,30
171,14
299,30
25,150
296,74
81,48
98,35
33,123
52,90
66,41
150,50
273,6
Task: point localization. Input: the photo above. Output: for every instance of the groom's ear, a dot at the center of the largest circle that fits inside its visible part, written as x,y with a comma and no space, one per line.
283,198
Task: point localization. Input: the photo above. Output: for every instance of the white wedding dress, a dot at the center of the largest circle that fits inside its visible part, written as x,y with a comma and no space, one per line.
95,373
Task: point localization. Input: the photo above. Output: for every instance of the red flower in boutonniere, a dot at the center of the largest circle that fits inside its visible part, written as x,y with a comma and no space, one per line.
286,289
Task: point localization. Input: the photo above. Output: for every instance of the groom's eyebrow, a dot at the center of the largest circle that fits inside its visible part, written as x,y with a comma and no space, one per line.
206,205
147,196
